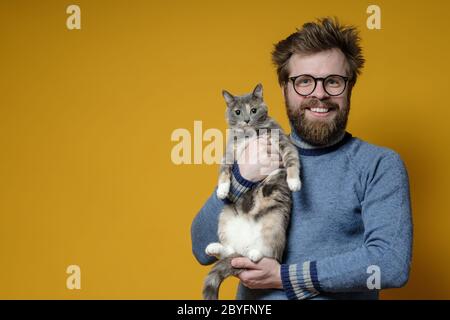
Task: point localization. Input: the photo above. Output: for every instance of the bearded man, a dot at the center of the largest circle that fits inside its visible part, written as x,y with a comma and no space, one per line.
350,233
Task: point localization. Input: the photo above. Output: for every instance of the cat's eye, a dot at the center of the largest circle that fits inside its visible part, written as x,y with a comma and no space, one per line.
238,112
253,110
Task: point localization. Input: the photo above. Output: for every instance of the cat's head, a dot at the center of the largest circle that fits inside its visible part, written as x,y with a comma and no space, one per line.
246,111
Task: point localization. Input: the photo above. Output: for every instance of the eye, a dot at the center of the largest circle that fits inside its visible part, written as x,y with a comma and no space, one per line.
238,112
332,82
253,110
335,82
304,81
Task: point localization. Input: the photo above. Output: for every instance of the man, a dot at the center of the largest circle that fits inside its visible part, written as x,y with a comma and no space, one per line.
351,230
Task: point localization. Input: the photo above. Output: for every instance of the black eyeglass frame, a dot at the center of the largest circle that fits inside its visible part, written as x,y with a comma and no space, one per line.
346,79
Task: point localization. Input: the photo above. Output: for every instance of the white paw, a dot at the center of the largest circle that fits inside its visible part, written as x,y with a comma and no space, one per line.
214,249
223,189
255,255
294,184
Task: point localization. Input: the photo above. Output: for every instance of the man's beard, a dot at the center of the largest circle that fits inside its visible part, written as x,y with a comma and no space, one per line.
318,132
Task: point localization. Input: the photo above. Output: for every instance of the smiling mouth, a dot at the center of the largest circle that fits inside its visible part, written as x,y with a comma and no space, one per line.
320,112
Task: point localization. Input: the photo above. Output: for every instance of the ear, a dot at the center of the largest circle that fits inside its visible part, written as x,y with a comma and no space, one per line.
229,98
258,91
284,88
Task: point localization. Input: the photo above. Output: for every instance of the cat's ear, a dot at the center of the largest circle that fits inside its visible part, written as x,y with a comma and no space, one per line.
258,91
229,98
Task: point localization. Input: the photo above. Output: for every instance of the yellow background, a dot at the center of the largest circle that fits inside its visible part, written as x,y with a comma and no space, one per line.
86,118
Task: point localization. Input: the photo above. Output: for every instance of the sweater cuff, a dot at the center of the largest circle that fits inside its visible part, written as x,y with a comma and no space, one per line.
300,281
239,185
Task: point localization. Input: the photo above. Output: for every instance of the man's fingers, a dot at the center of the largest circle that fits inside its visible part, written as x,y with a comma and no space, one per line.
243,263
251,278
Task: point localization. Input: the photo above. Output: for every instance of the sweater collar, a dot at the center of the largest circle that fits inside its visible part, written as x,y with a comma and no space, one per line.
307,149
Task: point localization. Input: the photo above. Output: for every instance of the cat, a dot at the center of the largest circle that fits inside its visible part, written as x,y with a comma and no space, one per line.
255,225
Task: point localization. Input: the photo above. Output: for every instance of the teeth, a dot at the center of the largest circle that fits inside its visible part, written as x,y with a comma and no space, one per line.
319,110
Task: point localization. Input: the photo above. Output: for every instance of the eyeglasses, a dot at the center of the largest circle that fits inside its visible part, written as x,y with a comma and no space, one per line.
333,84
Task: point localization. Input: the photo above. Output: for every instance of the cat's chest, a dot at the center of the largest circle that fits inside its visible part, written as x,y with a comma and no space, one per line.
241,138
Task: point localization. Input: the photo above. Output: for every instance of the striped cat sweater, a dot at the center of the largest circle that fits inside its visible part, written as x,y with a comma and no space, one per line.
350,224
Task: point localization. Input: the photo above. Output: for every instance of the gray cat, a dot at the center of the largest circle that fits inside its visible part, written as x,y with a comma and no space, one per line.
255,225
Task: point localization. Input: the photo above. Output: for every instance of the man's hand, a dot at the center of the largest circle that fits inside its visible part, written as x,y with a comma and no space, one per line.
262,275
259,159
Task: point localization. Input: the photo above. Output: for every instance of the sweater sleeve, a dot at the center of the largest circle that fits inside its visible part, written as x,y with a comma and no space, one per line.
385,253
239,185
204,228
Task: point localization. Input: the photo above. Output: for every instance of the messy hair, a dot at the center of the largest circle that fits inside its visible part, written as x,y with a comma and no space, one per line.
319,36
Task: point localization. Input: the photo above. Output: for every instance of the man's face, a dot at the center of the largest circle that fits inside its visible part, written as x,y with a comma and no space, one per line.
314,127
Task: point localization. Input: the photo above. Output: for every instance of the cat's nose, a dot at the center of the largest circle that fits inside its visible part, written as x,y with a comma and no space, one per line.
247,121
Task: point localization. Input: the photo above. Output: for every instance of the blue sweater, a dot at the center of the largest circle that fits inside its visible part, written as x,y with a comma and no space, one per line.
351,221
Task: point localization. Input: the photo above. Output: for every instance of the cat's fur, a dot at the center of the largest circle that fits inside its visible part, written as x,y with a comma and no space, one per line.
255,226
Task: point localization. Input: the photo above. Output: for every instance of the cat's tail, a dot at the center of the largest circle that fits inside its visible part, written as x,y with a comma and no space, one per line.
219,272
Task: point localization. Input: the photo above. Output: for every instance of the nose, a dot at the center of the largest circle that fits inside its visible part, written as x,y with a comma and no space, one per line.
319,92
247,121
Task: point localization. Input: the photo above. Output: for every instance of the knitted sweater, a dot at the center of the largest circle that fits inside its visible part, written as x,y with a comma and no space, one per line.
350,224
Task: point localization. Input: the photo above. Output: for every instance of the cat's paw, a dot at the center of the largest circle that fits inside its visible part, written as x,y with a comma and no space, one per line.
255,255
294,184
223,189
214,249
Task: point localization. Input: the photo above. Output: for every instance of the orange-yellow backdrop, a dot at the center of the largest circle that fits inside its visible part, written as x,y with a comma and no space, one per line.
86,118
